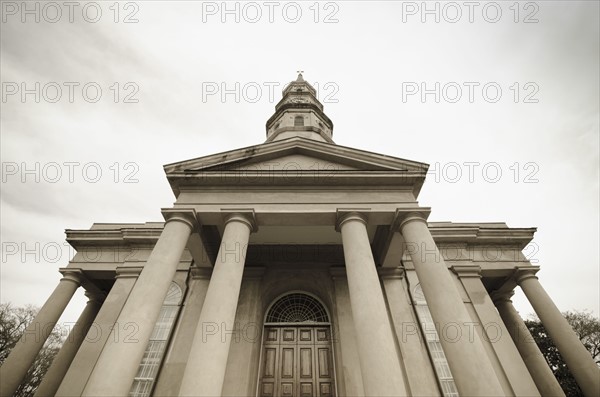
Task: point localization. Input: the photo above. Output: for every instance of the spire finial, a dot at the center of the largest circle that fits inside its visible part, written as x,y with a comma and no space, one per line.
300,78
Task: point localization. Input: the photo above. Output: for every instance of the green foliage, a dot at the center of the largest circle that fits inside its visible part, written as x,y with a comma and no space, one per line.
587,327
13,322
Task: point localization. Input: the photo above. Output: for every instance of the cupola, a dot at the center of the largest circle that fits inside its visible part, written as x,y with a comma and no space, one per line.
299,113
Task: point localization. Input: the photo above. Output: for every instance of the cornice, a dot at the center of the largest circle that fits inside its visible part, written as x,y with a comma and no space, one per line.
125,237
481,234
282,106
313,129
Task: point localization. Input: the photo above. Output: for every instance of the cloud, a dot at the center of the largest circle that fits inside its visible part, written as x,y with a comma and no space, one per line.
170,55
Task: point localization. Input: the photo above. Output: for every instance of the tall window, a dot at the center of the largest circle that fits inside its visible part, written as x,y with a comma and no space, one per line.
434,346
155,350
298,121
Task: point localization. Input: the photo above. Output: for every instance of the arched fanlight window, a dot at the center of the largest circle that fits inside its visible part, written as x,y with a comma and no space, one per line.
418,295
173,295
297,308
155,350
298,121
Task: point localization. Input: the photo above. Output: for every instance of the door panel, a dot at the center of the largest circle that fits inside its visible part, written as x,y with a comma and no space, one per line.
289,335
297,362
271,335
326,389
287,389
306,389
306,356
324,362
287,362
270,361
268,389
305,335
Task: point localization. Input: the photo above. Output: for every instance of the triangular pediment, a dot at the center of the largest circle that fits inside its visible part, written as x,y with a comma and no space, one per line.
289,160
296,155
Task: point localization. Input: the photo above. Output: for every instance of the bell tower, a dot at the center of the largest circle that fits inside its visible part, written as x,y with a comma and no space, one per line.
299,113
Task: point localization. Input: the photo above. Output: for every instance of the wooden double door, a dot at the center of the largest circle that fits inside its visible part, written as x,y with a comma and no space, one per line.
297,361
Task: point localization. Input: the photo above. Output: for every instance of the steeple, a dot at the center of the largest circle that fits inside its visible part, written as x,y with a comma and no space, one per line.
299,113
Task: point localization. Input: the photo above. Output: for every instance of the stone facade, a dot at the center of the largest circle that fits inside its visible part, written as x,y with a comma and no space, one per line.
218,299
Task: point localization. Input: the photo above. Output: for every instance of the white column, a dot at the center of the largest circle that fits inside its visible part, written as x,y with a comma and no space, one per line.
244,353
420,376
85,360
379,362
22,356
349,381
62,361
119,361
578,359
535,362
509,366
468,360
205,370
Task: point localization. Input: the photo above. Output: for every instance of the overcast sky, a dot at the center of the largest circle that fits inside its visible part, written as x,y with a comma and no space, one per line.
510,88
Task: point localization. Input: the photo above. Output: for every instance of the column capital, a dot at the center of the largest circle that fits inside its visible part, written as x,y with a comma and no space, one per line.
466,271
94,296
406,215
523,273
243,215
350,214
391,273
501,297
128,272
74,275
185,215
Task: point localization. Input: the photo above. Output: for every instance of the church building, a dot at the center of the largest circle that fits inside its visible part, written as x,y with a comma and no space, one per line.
298,267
